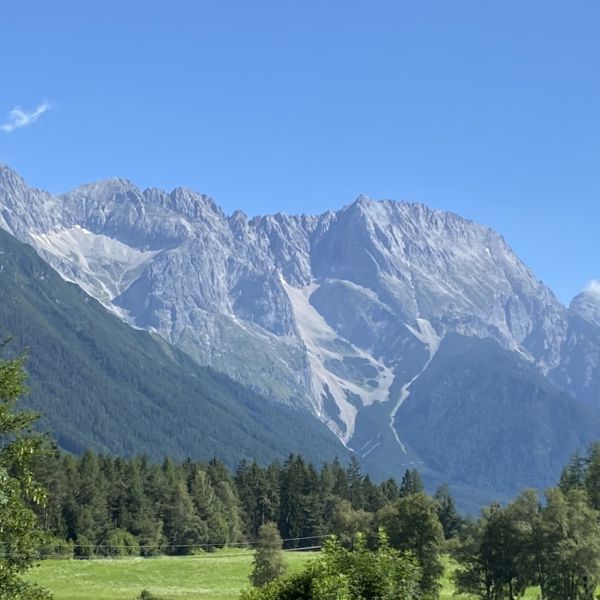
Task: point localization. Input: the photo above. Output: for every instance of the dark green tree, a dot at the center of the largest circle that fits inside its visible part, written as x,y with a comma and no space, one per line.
356,491
591,481
139,516
413,526
411,483
390,490
572,547
446,511
258,490
573,475
497,556
93,514
292,498
346,522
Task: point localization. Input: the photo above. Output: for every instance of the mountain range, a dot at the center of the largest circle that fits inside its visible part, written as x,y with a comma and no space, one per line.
417,337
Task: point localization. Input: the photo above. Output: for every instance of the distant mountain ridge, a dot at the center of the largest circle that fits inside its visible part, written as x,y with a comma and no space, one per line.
340,314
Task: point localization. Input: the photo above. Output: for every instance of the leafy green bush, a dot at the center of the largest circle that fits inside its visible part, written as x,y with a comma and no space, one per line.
84,547
343,574
120,543
57,548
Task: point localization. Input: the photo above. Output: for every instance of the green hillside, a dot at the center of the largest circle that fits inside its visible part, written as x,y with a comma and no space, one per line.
487,419
101,384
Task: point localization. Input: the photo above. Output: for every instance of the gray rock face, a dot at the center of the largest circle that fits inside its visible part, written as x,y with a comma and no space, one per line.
579,368
587,304
338,312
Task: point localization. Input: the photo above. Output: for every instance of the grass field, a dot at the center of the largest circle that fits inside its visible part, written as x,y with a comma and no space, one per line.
219,576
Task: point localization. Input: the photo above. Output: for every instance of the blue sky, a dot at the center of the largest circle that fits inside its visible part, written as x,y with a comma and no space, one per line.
488,109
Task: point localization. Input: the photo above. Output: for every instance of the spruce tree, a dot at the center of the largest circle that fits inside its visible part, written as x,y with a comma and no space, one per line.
446,510
411,483
292,497
355,484
573,475
592,475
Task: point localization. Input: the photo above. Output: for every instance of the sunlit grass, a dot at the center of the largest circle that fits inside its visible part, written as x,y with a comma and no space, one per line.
219,575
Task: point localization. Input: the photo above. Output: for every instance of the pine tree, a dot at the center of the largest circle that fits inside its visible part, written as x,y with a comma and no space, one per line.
573,475
390,490
292,498
139,516
93,518
355,484
183,529
411,483
446,511
254,496
592,475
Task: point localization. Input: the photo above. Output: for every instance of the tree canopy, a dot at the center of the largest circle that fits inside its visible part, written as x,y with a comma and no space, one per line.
349,573
20,535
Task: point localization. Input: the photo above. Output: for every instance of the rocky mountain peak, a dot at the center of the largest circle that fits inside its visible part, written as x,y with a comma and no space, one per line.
194,205
8,175
587,303
104,189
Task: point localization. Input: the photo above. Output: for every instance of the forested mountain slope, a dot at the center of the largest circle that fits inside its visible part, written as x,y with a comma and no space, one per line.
101,384
455,419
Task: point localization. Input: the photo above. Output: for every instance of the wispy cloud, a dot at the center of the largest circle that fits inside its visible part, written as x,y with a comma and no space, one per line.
18,117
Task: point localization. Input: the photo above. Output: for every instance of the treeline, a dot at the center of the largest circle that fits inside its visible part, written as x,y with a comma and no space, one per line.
100,505
105,506
553,544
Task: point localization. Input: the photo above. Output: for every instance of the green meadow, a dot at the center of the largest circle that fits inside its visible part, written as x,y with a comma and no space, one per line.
217,576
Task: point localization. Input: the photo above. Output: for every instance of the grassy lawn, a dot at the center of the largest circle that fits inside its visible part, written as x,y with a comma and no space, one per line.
219,576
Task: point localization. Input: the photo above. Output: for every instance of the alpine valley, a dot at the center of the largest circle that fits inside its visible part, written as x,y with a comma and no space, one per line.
409,336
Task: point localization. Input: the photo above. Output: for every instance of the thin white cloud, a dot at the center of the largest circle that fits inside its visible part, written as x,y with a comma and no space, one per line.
18,117
593,286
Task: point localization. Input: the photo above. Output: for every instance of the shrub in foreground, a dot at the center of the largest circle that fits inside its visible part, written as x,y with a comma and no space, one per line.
268,559
346,574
